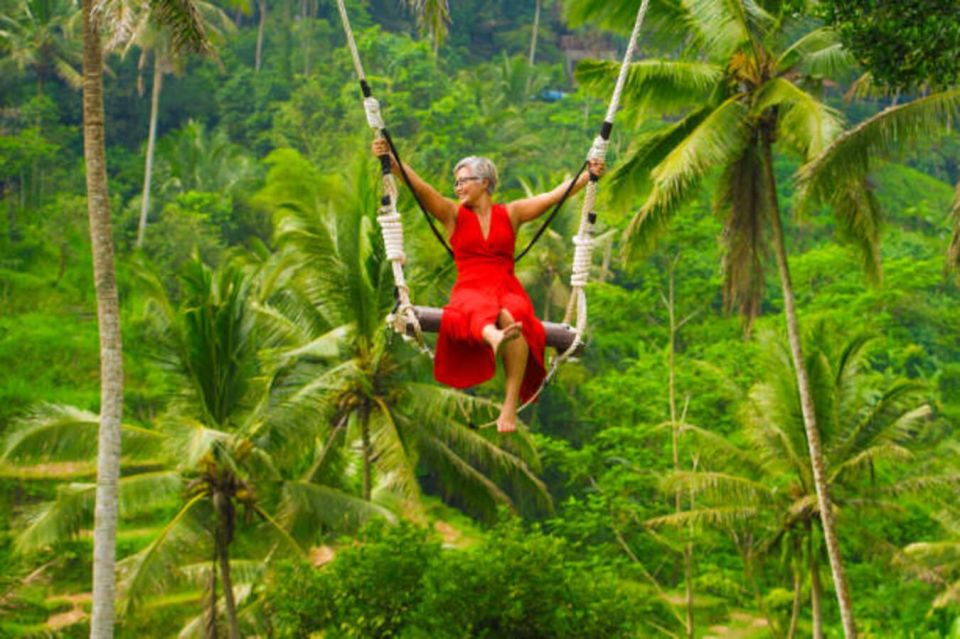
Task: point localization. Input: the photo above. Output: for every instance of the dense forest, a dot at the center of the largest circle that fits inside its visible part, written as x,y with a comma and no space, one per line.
759,438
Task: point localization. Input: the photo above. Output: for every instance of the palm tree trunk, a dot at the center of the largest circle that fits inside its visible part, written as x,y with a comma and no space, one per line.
108,321
211,621
533,42
816,592
795,609
223,536
151,143
806,396
670,302
367,453
534,33
258,56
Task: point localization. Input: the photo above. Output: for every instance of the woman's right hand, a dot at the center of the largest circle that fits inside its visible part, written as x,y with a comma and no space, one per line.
381,148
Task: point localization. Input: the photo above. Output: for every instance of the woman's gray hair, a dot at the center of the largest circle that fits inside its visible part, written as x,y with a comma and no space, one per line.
481,168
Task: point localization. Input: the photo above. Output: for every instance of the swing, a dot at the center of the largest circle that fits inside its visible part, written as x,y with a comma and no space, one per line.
412,321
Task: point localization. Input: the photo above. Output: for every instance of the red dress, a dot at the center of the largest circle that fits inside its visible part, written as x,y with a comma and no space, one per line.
485,284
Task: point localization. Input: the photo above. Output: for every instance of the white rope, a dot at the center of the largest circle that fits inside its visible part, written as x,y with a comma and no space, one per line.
404,317
625,67
351,42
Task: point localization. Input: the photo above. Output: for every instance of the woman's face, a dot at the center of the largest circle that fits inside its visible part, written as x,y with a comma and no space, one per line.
468,187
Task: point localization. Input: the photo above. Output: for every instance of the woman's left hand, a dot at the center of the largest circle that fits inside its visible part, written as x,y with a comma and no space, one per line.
597,167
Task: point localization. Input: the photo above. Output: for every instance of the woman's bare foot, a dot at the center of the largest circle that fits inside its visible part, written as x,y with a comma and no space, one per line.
498,337
507,422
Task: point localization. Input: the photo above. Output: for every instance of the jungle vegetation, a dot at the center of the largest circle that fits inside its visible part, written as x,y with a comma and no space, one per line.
760,439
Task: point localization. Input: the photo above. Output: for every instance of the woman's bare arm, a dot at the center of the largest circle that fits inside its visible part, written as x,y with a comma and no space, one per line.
440,207
531,208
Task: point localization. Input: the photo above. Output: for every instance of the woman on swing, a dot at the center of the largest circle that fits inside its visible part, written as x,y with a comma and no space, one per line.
489,313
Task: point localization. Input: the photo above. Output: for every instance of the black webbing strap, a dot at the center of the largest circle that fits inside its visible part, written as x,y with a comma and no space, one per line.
553,214
406,179
605,129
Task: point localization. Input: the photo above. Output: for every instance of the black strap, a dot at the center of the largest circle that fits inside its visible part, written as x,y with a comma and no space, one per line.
406,179
605,129
553,213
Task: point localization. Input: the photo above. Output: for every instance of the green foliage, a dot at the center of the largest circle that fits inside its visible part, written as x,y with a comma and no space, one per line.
398,583
906,45
263,393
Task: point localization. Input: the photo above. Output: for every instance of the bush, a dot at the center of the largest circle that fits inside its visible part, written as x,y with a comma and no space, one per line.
397,583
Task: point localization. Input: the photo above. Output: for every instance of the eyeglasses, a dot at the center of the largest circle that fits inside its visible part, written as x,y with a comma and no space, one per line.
461,181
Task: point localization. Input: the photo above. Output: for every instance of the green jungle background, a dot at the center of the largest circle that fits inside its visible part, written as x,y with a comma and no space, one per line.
661,486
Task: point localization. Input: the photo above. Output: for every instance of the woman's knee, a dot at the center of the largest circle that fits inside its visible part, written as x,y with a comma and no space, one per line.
505,318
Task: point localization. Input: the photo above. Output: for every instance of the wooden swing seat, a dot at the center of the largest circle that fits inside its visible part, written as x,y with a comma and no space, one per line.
559,336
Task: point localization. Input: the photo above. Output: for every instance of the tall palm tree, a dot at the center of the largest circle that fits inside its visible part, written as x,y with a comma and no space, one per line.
41,34
108,322
848,160
327,298
108,314
749,88
766,485
146,26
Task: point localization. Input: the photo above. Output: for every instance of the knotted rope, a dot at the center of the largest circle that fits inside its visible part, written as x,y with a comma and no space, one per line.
403,319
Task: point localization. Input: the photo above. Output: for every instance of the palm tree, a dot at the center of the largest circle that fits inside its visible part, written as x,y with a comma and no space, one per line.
40,34
108,322
765,486
195,159
937,561
751,88
433,17
329,291
147,28
849,159
217,450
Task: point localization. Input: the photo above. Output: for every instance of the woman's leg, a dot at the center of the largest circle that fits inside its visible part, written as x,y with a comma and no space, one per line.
514,353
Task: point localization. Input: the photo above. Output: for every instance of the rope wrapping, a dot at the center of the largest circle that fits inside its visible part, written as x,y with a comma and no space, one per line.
372,108
389,219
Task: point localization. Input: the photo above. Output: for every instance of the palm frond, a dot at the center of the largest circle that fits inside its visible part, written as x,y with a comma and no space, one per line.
819,52
851,156
725,487
723,26
953,252
660,86
396,458
632,177
71,510
306,507
867,459
242,571
715,141
149,570
183,21
721,517
665,18
64,433
933,486
460,478
807,125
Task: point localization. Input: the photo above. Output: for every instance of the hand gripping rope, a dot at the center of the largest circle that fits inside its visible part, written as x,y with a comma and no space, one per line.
583,241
